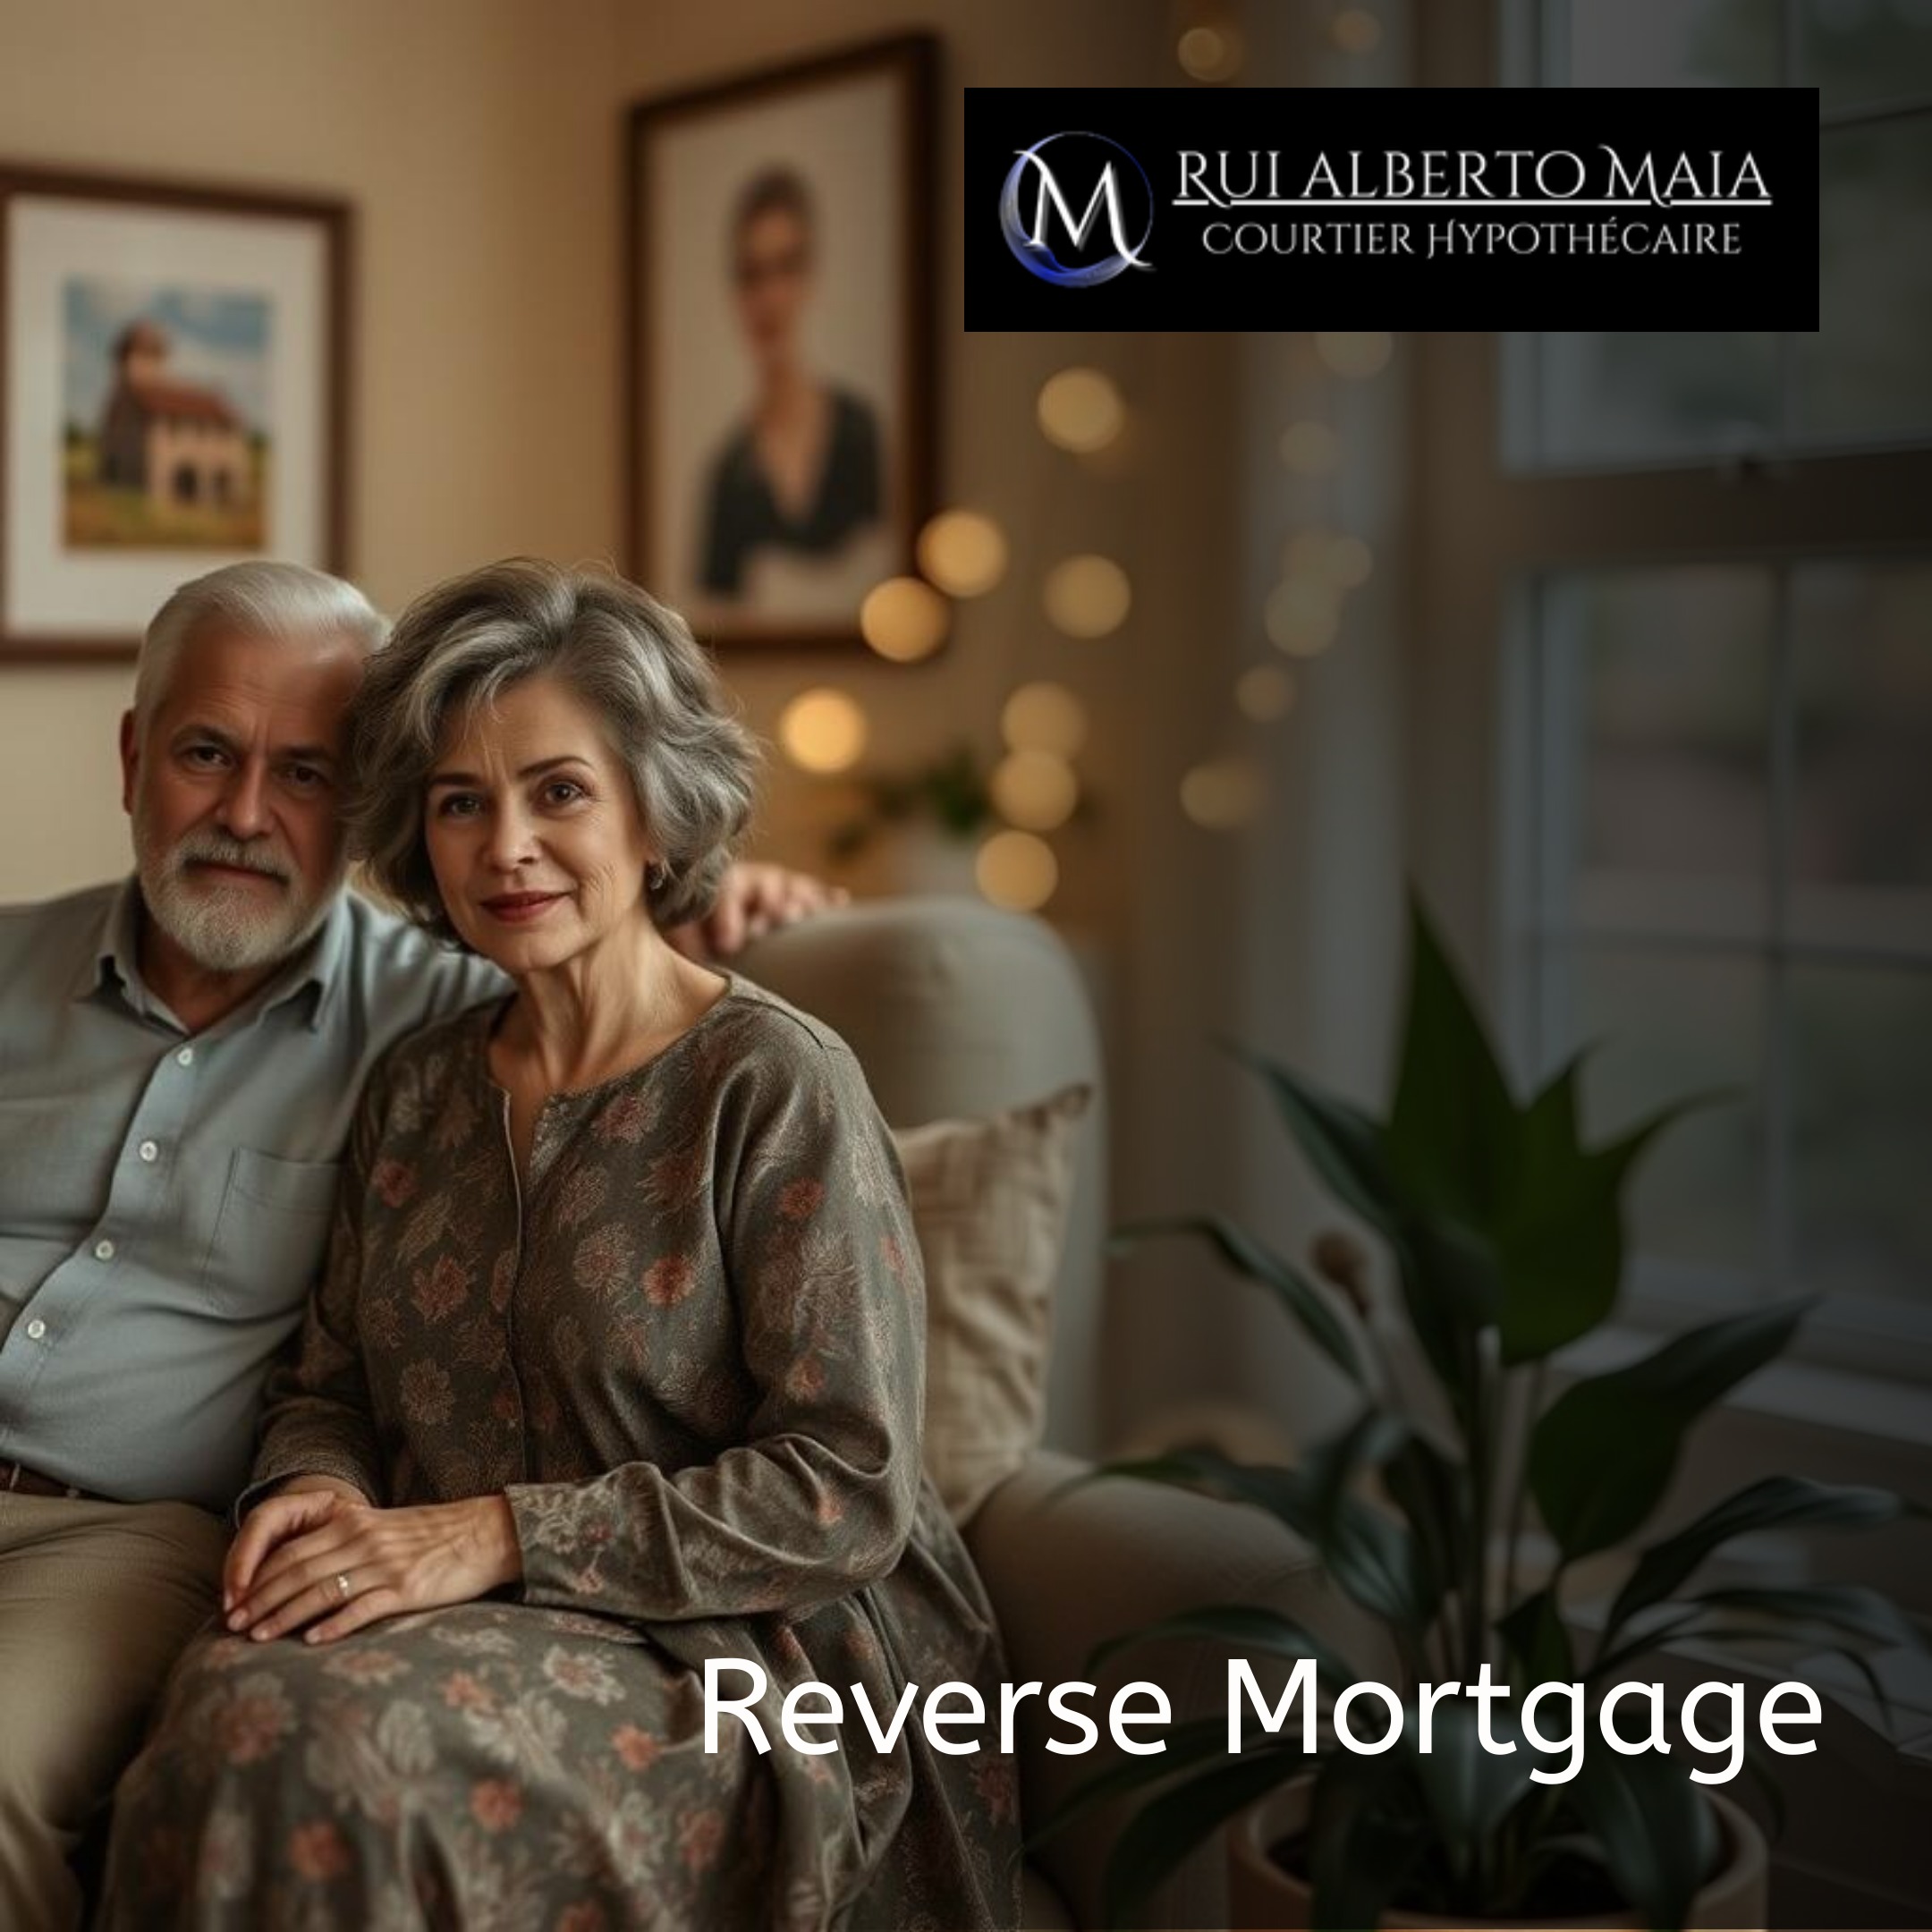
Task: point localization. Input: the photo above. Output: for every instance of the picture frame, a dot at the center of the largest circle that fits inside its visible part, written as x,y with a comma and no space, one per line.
779,346
173,396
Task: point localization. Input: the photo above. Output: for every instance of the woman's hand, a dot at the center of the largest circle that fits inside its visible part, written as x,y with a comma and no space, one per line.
287,1566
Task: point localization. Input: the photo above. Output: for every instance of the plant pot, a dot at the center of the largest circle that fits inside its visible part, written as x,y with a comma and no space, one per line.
1262,1894
919,860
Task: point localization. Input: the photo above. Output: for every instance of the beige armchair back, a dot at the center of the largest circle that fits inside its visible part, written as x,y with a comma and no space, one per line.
957,1009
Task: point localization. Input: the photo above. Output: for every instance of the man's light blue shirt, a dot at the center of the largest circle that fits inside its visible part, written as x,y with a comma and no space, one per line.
165,1195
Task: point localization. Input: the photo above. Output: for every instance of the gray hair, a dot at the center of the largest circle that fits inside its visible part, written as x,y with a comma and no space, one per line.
693,767
266,598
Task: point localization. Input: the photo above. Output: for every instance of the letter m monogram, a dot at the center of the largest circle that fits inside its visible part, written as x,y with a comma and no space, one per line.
1107,192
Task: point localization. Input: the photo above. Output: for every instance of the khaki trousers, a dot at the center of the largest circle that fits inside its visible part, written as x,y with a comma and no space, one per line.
97,1600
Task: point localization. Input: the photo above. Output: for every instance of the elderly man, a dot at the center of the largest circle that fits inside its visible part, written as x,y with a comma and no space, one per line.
179,1057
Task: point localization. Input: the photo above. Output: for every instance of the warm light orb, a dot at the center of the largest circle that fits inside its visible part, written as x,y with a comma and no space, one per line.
964,553
1265,694
1355,352
1356,31
904,619
1348,562
1087,597
1034,789
1210,52
1306,554
1311,448
1302,616
1044,717
1080,409
823,730
1223,794
1017,870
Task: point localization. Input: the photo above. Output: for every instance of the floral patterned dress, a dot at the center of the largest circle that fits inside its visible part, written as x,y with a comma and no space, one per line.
689,1354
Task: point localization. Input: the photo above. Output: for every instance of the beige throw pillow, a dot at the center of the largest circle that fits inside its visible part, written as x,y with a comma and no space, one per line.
989,1200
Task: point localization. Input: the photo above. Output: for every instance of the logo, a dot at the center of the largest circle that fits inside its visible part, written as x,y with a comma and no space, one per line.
1113,187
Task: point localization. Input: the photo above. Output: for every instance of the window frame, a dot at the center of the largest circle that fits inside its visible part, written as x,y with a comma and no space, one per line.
1484,536
1846,1330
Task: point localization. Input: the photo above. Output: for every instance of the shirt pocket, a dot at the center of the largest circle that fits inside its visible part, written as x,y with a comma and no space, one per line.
271,1235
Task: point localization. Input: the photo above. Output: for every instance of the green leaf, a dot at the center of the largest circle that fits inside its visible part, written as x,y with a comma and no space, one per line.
1330,1467
1456,1271
1341,1143
1303,1298
1778,1502
1844,1608
1538,1641
1171,1826
1469,1790
1365,1834
1243,1628
1198,1741
1560,1238
1429,1487
1603,1454
1370,1557
1452,1135
1658,1837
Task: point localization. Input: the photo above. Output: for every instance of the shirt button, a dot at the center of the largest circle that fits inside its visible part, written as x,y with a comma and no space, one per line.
149,1151
35,1328
185,1057
104,1251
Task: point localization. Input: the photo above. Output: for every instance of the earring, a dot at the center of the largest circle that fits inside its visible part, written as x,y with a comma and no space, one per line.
654,875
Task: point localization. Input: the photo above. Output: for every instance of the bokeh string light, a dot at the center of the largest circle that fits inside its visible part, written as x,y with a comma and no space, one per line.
1017,870
1080,409
1087,596
1355,31
1265,694
962,553
904,619
1044,717
1223,794
1302,614
1355,353
823,730
1036,791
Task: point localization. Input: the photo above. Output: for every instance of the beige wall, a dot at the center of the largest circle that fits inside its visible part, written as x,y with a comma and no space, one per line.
464,134
480,142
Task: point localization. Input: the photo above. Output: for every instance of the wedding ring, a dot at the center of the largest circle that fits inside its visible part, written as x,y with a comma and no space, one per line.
342,1582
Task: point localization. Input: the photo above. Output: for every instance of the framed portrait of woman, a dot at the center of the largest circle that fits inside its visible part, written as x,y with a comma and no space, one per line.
780,341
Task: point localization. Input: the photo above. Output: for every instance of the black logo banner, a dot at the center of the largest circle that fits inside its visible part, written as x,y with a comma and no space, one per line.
1237,208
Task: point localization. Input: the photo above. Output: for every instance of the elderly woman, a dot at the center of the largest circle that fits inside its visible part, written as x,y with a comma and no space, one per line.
615,1368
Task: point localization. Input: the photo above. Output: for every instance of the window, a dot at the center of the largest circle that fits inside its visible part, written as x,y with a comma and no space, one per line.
1864,378
1732,891
1711,553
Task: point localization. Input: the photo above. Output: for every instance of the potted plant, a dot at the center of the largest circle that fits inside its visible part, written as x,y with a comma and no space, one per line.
936,812
1506,1238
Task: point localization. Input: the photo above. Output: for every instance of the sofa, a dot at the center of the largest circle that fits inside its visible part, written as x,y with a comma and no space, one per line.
959,1010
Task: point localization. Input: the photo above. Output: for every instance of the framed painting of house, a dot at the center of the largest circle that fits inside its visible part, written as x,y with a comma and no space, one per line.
780,341
172,396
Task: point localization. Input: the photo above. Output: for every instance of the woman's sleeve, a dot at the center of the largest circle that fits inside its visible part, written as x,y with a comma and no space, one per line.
824,1272
316,1416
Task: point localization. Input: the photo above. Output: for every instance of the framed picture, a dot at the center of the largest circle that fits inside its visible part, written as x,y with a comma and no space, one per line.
780,341
173,394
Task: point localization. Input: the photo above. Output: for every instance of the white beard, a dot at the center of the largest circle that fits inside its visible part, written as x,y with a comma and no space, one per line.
220,925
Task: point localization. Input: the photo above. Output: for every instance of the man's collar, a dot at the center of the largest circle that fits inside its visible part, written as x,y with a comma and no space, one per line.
315,972
117,952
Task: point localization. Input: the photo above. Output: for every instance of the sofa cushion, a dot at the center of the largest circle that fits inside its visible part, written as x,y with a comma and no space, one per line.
989,1199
